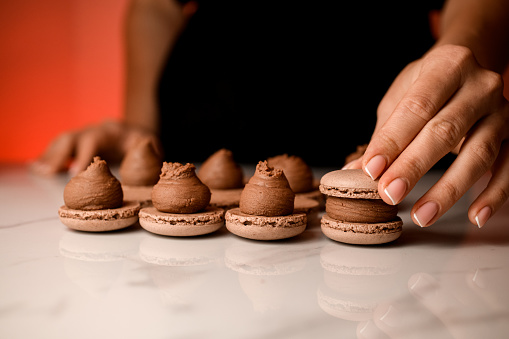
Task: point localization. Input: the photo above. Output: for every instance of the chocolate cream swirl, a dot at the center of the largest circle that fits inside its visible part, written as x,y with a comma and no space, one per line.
267,193
179,190
141,165
220,171
297,172
94,189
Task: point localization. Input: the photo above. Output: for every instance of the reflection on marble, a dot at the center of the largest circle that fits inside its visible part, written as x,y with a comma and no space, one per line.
266,271
356,279
94,261
178,266
445,281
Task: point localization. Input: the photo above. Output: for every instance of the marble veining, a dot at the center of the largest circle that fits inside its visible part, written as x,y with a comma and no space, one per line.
445,281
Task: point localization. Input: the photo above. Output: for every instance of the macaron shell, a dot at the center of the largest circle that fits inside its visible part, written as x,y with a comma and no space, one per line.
100,220
265,228
181,225
359,233
349,183
344,309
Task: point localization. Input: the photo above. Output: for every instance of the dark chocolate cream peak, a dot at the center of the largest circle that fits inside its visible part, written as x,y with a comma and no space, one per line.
220,171
267,193
297,172
141,165
179,190
94,189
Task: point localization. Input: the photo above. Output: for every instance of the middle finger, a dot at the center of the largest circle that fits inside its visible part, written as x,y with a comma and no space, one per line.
437,138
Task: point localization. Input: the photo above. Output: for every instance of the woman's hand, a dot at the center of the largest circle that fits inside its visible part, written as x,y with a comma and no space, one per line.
73,151
444,102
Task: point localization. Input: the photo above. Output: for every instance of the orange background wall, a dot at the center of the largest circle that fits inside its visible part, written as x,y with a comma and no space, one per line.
61,68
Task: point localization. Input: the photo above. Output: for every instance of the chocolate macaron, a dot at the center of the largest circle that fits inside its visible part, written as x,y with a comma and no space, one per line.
224,177
299,175
94,201
266,209
139,172
181,204
354,211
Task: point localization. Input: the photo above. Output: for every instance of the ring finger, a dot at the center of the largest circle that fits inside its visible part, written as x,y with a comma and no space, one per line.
476,157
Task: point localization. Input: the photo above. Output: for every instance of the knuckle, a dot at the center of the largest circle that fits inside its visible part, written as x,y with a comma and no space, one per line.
387,140
419,106
501,194
460,55
493,82
446,131
450,191
414,167
484,153
454,58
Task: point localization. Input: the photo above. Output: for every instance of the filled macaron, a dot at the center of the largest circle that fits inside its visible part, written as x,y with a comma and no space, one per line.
266,209
181,204
355,212
94,201
299,175
139,172
224,177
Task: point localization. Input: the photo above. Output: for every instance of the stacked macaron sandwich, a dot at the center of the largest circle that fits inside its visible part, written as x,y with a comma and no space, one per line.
354,211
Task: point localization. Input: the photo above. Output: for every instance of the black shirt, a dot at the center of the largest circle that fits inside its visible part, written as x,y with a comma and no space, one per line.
305,78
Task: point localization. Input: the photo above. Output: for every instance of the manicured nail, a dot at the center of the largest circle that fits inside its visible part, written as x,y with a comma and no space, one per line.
483,216
390,316
396,190
479,278
347,166
423,285
425,213
368,329
375,166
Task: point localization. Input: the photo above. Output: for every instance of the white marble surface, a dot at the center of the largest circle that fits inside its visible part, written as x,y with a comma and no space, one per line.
446,281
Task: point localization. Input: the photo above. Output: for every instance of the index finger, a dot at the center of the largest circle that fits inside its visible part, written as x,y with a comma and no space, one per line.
435,84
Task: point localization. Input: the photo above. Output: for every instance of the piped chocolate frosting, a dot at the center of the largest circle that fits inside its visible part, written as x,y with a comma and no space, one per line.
297,172
267,193
141,165
179,190
220,171
94,189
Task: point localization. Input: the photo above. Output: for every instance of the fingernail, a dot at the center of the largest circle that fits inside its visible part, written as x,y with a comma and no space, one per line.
375,166
479,278
368,330
390,316
347,166
396,190
423,285
483,216
425,213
